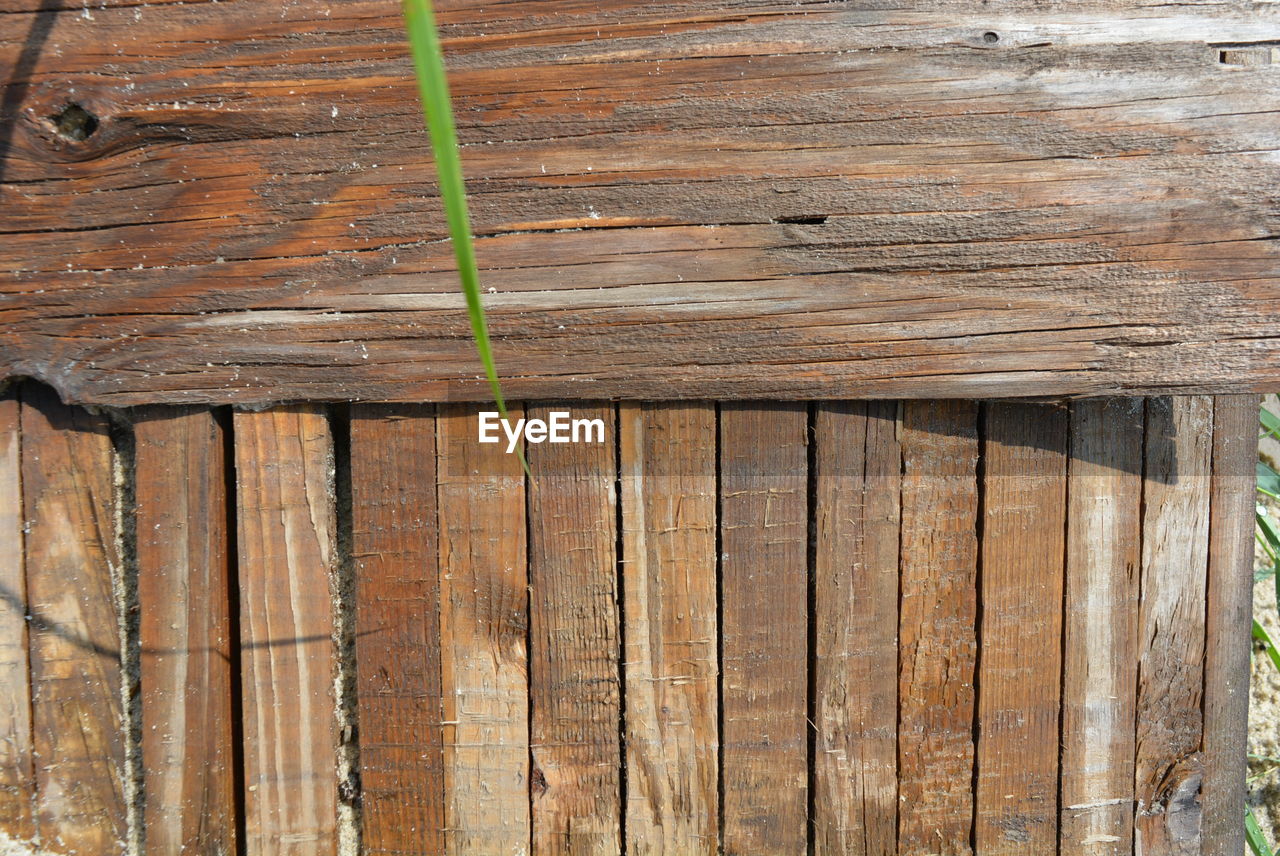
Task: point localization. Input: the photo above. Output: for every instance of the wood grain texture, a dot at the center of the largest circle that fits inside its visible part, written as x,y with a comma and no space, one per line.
1100,637
1168,765
764,589
671,632
703,200
1024,482
574,669
395,549
17,776
185,632
1229,610
72,554
857,515
937,627
286,530
484,616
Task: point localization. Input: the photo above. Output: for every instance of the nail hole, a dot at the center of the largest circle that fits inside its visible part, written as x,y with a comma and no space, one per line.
803,219
75,123
990,37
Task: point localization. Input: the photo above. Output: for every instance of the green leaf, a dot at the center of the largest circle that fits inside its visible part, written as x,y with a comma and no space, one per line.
437,109
1268,481
1270,422
1261,635
1253,835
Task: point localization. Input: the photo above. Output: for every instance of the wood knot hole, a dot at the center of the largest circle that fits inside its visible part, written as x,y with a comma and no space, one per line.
74,122
990,37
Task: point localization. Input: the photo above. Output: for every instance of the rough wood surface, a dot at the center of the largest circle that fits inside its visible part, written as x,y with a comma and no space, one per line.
71,506
394,547
764,585
185,631
704,200
937,627
856,518
575,718
17,777
286,539
1227,620
1168,765
1100,637
484,616
1024,483
671,633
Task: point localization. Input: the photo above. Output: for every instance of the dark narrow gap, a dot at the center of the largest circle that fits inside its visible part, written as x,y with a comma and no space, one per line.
720,789
980,474
123,447
620,604
1208,567
899,431
1138,647
33,779
344,628
537,781
1068,467
811,624
225,419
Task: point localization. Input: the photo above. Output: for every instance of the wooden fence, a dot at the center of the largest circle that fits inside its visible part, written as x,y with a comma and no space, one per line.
921,627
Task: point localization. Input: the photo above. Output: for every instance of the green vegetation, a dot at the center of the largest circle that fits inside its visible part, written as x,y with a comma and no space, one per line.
1268,535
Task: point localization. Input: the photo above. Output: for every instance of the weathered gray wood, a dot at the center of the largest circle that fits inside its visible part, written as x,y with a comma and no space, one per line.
674,200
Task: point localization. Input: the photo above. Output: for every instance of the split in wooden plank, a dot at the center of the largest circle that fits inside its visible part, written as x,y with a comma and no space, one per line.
185,630
938,627
574,672
1168,766
286,542
671,637
858,487
395,549
484,609
1104,495
72,505
1228,613
17,776
764,634
1024,483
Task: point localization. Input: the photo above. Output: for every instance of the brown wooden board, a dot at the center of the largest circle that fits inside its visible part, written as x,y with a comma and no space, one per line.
71,506
397,632
670,628
857,492
185,631
694,200
17,777
575,716
286,539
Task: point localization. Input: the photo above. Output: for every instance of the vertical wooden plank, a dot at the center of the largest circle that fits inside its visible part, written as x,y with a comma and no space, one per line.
285,517
484,615
938,627
1020,639
858,486
71,506
184,631
1104,493
395,549
1230,607
17,777
573,658
764,591
670,633
1175,544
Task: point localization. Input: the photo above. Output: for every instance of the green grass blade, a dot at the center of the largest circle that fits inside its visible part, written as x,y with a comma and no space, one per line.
1270,422
1253,835
437,109
1260,634
1268,481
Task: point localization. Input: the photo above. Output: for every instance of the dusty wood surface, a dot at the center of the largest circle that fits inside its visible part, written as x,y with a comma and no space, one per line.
394,548
71,507
764,585
574,672
17,777
715,200
857,481
484,616
185,631
1168,765
285,513
671,629
1020,632
1100,636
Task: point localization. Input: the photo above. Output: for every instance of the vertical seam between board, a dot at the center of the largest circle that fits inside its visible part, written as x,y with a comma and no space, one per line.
619,613
526,476
1138,631
26,615
811,630
233,628
1068,467
979,532
719,571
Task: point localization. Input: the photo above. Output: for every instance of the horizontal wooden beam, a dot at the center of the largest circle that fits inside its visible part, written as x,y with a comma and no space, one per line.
235,202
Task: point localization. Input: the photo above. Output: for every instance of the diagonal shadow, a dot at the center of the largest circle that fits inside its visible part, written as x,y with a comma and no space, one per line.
15,88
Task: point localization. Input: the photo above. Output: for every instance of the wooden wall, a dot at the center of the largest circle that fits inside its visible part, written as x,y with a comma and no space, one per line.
909,628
